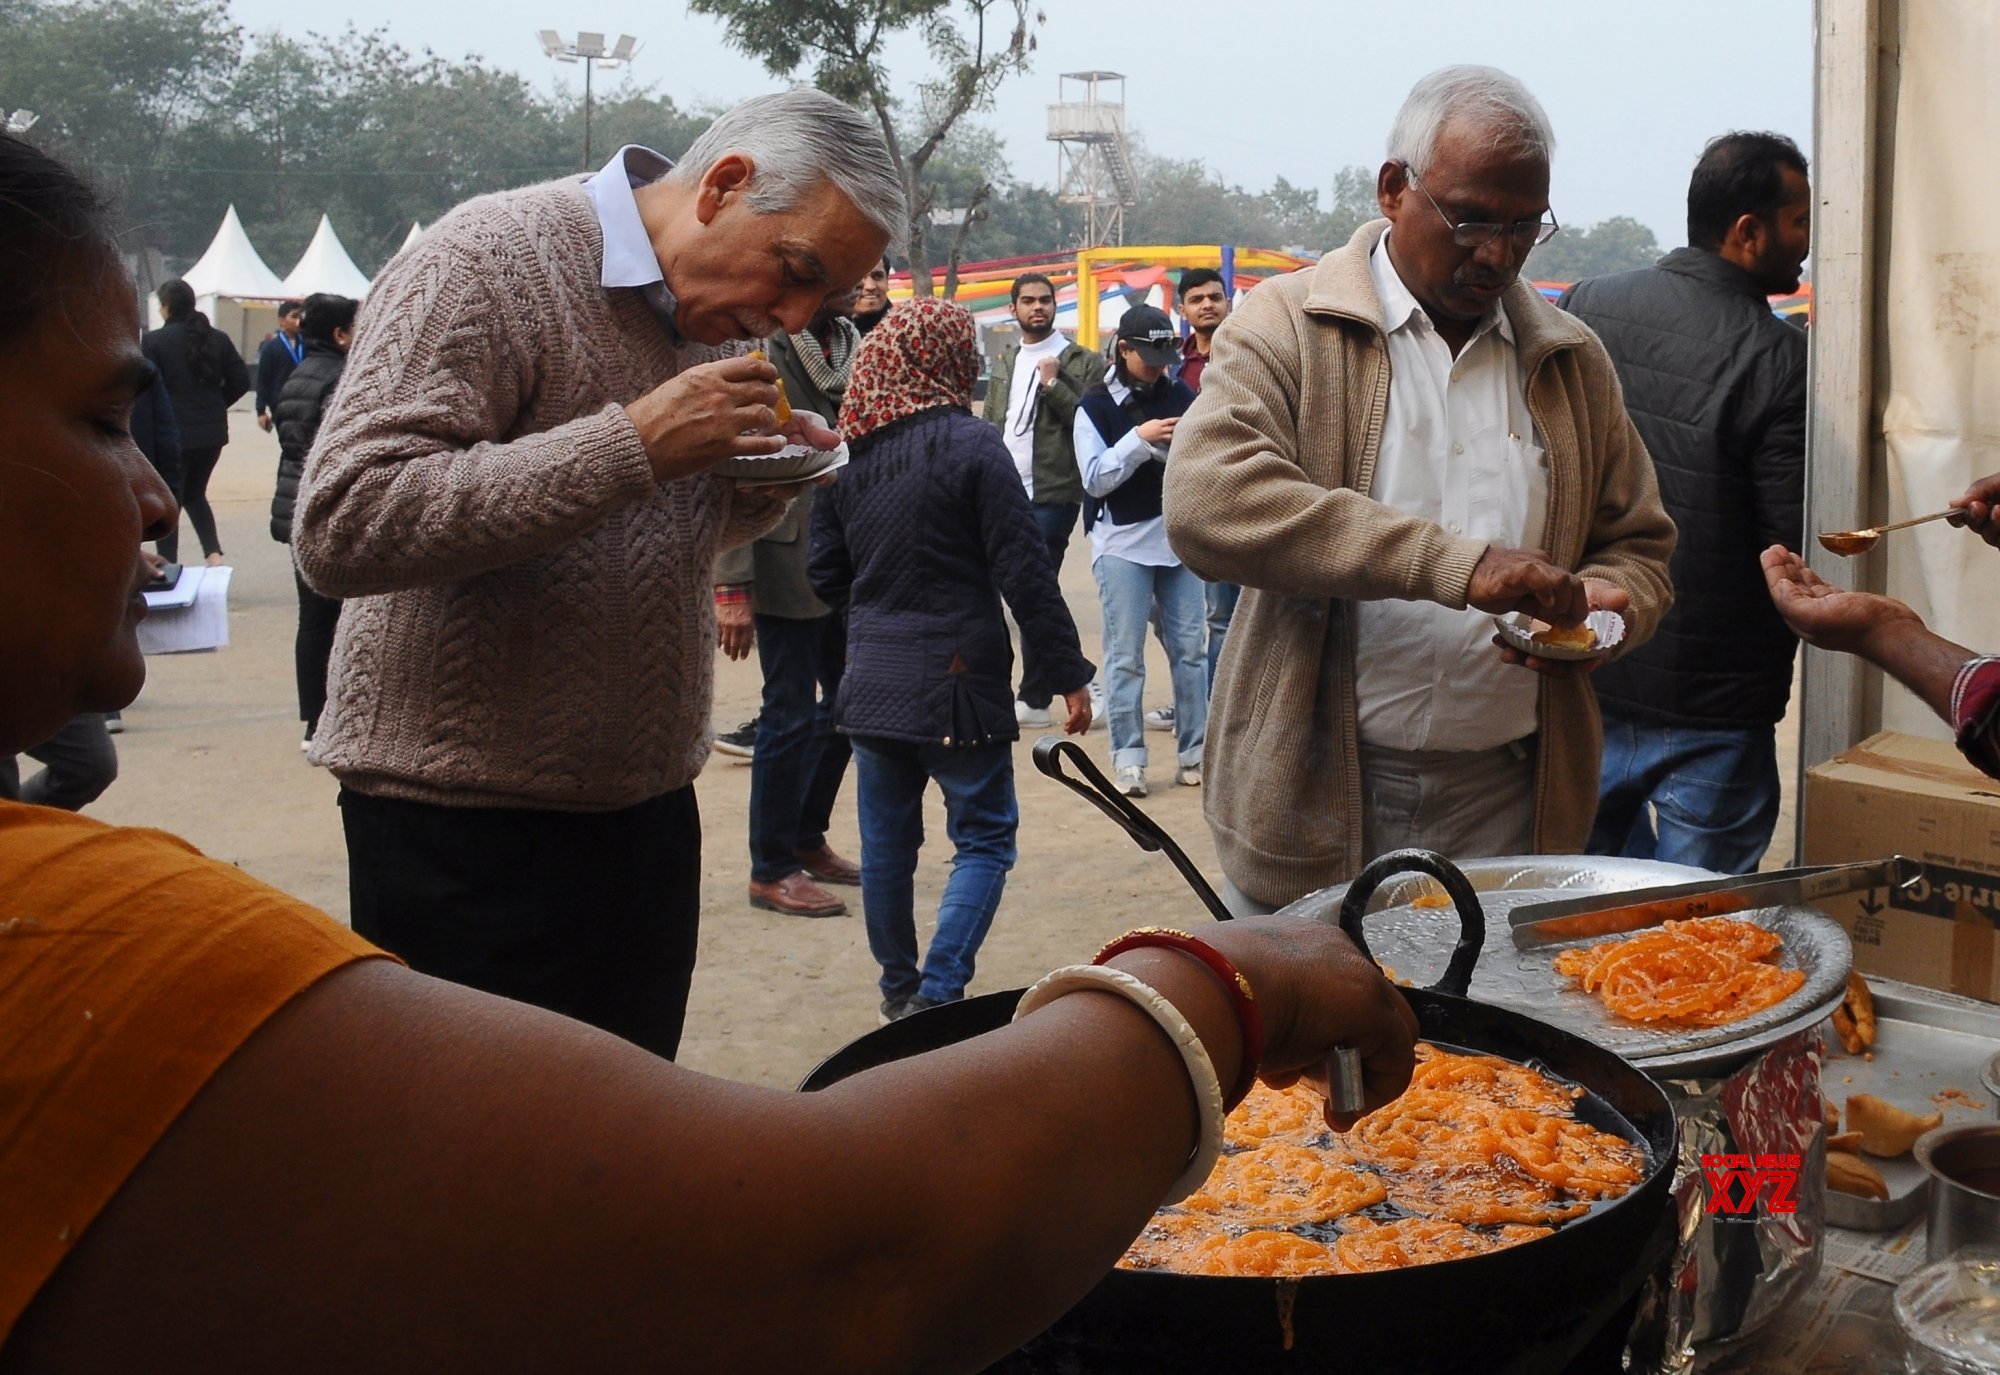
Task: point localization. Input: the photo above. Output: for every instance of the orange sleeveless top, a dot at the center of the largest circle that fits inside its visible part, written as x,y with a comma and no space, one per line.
131,967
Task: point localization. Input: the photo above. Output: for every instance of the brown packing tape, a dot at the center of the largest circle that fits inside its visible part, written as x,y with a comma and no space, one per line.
1971,952
1966,777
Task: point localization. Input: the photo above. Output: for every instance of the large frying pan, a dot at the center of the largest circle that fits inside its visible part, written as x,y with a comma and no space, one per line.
1545,1305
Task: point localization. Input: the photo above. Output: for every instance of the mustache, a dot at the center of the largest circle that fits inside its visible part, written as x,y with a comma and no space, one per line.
1473,275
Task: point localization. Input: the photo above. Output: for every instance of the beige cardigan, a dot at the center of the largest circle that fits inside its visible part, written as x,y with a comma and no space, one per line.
1268,485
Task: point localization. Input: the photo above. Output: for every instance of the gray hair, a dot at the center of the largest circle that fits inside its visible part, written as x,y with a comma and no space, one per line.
1495,103
797,140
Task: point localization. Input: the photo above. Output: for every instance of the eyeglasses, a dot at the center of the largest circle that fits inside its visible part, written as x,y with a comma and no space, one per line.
1528,233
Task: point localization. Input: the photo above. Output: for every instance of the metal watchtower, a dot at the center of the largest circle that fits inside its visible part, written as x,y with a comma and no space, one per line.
1093,161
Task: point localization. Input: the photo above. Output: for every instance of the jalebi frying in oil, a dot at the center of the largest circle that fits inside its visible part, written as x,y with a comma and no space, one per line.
1706,972
1478,1154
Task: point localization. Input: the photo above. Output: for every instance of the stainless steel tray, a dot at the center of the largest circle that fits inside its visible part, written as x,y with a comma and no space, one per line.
1926,1043
1416,942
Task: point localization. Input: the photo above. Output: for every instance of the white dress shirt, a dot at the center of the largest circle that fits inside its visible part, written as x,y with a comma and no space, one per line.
1105,467
628,249
1458,448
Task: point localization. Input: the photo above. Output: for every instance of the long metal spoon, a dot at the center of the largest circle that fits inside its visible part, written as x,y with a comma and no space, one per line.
1848,543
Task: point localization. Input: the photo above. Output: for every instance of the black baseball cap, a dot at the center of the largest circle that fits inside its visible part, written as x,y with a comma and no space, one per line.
1148,330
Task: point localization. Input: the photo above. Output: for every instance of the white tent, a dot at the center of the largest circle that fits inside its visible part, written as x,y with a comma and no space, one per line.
416,232
325,266
231,267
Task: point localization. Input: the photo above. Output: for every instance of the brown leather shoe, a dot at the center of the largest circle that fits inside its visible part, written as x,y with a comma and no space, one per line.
828,867
796,896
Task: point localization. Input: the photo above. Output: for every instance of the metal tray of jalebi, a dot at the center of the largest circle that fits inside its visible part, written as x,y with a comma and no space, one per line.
1415,939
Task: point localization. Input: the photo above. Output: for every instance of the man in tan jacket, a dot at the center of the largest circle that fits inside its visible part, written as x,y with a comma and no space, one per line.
1390,449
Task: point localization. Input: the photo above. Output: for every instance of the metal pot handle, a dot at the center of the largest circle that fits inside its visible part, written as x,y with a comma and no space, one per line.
1471,916
1096,789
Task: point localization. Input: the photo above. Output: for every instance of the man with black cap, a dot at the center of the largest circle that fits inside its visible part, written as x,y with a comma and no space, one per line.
1123,427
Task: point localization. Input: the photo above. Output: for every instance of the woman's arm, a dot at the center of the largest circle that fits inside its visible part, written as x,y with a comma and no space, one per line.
400,1173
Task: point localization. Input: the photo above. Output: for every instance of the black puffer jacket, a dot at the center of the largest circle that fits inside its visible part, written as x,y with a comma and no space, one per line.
919,538
295,416
1717,387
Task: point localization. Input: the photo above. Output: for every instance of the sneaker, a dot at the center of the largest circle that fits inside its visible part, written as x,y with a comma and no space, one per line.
1160,718
114,724
1188,776
1097,721
1132,780
1040,718
740,742
895,1009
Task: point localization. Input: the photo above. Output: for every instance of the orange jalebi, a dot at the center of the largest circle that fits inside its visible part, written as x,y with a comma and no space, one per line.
1706,972
1479,1153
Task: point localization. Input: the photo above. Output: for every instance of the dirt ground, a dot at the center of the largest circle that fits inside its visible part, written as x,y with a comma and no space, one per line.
210,752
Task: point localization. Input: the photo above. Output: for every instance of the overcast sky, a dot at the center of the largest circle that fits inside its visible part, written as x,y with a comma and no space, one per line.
1291,88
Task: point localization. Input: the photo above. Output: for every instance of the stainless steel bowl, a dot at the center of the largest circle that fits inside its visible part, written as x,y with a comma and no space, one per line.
1964,1167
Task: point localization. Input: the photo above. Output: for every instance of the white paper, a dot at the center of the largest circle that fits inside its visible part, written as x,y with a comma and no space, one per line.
202,624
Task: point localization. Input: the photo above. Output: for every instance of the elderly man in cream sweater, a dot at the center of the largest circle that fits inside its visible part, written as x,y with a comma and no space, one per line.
1389,450
512,492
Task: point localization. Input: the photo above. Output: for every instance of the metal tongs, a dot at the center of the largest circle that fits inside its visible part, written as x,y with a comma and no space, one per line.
1612,914
1343,1066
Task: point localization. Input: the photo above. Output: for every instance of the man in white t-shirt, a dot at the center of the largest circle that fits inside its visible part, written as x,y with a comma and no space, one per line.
1032,398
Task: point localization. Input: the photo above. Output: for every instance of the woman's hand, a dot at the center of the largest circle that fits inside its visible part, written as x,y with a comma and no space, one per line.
1317,992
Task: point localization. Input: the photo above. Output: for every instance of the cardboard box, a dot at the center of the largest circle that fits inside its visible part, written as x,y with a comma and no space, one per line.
1899,794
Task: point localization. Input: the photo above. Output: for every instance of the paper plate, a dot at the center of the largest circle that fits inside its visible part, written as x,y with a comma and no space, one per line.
1519,630
793,463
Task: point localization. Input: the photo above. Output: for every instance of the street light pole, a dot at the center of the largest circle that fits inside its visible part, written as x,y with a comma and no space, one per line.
588,49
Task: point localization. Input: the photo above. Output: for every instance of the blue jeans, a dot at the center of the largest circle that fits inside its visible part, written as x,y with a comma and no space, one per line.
1170,597
980,817
799,759
1714,793
1056,520
1221,608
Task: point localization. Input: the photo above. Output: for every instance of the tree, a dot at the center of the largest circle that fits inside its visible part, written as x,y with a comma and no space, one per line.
840,43
1618,244
113,81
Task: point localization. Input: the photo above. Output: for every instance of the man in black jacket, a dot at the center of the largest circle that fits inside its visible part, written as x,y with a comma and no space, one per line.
1717,387
281,352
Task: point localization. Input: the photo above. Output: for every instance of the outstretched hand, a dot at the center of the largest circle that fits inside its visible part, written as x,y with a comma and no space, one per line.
1823,615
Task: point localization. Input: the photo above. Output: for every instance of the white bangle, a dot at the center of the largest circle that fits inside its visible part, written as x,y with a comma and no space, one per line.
1201,1072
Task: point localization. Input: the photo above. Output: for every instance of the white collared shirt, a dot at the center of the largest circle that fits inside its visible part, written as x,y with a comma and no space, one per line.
1105,468
628,248
1458,448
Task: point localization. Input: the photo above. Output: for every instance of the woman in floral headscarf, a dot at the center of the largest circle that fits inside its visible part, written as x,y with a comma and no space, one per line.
922,535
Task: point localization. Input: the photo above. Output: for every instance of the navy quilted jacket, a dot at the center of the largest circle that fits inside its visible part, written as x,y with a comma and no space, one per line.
919,538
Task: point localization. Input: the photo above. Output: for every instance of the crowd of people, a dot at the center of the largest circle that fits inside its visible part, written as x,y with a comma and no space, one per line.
449,1131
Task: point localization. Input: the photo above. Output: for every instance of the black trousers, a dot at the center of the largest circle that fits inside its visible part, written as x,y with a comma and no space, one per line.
590,914
318,618
79,760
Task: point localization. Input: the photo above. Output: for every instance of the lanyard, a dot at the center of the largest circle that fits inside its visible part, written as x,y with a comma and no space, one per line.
297,351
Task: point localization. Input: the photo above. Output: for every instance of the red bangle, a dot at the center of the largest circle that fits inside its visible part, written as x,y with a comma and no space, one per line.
1249,1020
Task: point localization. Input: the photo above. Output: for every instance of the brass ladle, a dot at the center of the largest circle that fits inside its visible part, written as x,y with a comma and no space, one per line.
1850,542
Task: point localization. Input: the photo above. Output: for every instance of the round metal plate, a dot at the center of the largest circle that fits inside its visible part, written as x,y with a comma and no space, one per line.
1415,942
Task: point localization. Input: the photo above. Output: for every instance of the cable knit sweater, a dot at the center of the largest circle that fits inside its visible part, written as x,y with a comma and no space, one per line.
528,618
